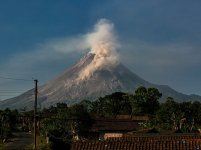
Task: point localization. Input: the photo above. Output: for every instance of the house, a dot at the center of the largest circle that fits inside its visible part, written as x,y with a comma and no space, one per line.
104,128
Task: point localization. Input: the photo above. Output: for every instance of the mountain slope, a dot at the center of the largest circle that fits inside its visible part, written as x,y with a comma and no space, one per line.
70,88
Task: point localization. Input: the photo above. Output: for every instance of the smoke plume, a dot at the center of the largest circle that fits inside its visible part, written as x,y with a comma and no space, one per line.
102,42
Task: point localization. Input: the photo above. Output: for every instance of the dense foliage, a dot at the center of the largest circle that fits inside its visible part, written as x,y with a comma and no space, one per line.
185,116
8,123
62,123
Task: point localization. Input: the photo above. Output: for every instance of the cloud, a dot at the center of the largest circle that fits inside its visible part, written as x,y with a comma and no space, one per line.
102,41
42,60
160,40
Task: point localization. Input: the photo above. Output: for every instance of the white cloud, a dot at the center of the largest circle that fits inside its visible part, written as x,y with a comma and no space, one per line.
32,62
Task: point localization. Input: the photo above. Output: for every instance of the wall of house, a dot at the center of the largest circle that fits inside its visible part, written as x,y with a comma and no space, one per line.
112,135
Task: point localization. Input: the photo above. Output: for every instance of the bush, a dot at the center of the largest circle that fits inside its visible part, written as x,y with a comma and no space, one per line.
58,143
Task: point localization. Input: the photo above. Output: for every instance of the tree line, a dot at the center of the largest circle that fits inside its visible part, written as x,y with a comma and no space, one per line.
65,123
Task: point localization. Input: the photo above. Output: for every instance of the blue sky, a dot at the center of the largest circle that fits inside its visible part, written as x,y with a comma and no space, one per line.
160,39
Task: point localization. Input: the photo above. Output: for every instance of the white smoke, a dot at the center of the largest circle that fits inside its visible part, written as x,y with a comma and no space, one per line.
103,43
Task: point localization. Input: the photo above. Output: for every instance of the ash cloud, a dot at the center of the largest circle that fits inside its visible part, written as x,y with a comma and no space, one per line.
102,42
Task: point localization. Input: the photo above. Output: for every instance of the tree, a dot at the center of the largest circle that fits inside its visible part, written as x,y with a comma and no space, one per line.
115,104
192,114
66,122
136,103
152,103
170,115
9,120
112,105
88,105
145,101
98,107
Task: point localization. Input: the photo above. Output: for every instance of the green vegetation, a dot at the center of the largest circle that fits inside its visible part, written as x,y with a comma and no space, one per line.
185,116
62,124
8,123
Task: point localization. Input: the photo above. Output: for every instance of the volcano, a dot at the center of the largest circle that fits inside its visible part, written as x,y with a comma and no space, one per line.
73,86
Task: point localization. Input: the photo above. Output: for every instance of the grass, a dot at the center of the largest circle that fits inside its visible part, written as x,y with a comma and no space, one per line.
41,143
1,145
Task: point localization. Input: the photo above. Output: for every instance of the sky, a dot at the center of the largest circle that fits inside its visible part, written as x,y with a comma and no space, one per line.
160,40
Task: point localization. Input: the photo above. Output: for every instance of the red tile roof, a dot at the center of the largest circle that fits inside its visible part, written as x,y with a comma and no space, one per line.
143,143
